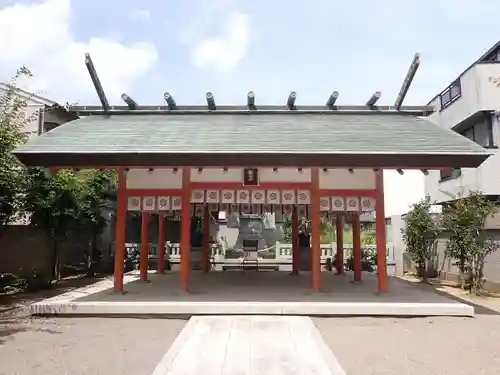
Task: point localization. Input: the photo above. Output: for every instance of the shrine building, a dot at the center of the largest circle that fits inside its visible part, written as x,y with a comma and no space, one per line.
303,160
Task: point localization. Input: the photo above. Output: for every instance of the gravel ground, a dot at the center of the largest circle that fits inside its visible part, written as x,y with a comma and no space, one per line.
441,346
121,346
77,346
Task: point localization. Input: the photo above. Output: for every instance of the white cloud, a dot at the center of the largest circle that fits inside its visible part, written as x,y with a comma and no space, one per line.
38,35
224,49
142,15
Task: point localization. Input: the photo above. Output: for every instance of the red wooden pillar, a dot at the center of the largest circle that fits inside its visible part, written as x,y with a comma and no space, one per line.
315,231
143,265
120,227
340,243
356,241
380,233
205,256
295,242
161,243
185,229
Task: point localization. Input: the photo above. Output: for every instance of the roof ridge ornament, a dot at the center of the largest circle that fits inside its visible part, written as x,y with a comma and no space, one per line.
411,110
96,81
290,107
374,98
132,104
251,101
405,86
211,101
332,99
169,100
290,103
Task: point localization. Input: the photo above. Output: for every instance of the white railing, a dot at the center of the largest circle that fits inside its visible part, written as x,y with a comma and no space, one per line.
282,258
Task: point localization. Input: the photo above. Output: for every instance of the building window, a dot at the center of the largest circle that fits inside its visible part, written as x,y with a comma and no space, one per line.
449,174
481,133
451,94
455,91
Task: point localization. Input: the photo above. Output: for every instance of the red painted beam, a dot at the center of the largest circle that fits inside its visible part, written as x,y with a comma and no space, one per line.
186,230
120,227
161,243
315,232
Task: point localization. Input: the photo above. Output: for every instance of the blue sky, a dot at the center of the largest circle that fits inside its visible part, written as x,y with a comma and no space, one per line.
229,47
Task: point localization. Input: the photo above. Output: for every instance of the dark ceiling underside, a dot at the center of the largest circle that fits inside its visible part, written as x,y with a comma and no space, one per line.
261,159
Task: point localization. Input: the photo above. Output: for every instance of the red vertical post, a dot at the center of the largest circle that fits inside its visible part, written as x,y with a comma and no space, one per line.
205,256
143,266
120,227
381,232
295,242
161,243
315,231
185,229
340,243
356,242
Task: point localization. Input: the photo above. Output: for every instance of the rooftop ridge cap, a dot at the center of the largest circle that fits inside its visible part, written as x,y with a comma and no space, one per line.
264,109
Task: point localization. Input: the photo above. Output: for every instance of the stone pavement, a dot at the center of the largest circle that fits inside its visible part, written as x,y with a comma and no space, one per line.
258,293
253,345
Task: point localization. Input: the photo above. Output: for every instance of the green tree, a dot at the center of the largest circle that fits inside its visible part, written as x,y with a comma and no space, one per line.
13,121
468,241
420,234
92,187
52,205
304,227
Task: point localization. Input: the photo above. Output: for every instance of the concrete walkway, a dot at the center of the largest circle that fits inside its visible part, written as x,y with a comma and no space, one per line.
249,345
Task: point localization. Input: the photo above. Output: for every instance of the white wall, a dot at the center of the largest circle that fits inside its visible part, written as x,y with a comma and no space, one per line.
488,91
35,105
485,178
492,262
462,107
478,93
395,237
160,178
165,178
32,112
343,179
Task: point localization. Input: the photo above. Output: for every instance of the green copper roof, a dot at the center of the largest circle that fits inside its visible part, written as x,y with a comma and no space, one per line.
251,133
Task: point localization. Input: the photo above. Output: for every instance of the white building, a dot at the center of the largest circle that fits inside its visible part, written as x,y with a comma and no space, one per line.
46,114
469,105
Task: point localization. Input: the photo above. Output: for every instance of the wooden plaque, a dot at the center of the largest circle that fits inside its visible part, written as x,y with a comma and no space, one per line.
251,177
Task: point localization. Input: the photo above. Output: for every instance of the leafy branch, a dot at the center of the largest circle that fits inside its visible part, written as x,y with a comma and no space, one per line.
469,244
13,123
420,234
